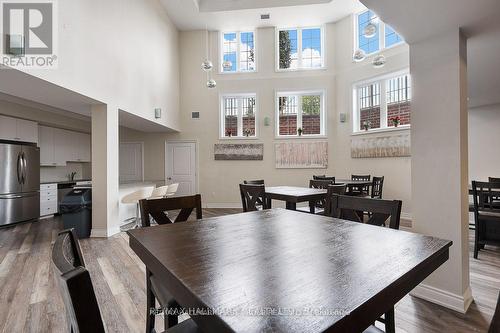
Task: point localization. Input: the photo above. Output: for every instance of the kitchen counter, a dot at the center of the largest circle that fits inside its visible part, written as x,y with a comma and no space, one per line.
65,181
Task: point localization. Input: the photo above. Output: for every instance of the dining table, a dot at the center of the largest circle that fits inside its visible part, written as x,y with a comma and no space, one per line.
294,194
279,270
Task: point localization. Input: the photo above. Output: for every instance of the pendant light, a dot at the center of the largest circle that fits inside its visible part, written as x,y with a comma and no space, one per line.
359,55
227,65
378,61
370,30
206,65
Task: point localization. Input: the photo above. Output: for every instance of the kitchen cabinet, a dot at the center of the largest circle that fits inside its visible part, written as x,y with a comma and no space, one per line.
58,146
18,129
48,199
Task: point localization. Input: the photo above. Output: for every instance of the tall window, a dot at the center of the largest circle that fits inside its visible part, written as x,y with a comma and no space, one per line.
238,114
300,48
300,113
238,52
385,36
382,102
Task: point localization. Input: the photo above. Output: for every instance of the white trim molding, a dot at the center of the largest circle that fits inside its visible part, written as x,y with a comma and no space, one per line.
104,233
459,303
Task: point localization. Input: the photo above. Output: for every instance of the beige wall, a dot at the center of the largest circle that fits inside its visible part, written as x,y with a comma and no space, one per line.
218,179
484,156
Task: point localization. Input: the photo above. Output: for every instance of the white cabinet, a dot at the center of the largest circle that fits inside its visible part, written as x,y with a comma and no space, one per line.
18,129
58,146
48,199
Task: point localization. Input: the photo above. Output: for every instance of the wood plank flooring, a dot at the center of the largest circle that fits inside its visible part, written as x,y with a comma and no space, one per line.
30,300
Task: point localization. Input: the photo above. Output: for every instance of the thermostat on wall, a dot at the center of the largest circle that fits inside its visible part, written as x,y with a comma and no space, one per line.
343,117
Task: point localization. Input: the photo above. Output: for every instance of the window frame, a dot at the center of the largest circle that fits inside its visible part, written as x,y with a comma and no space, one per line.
238,38
222,130
300,93
299,49
381,41
382,80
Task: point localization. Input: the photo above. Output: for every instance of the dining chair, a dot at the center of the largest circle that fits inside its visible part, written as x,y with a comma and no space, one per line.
338,189
324,177
158,208
254,182
352,208
495,321
253,197
155,288
359,190
77,291
319,206
486,215
377,186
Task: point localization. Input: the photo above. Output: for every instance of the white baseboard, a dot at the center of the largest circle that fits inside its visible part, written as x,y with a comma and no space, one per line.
406,216
104,233
459,303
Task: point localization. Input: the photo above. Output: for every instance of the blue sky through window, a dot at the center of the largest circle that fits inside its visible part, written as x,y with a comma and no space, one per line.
391,36
369,45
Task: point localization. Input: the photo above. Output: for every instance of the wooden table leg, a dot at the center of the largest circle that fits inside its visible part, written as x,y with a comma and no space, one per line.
150,305
291,205
312,207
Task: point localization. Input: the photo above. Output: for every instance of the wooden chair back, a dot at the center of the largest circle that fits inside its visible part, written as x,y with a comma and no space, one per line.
493,180
254,182
484,196
339,189
495,321
253,197
75,283
157,209
377,186
353,208
360,190
323,177
321,184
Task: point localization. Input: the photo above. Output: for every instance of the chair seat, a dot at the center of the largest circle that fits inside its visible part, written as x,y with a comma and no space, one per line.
373,329
186,326
162,294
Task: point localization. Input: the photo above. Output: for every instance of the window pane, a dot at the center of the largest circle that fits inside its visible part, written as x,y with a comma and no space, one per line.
311,48
247,52
230,49
398,100
369,106
230,117
369,45
288,109
288,49
248,107
391,36
311,114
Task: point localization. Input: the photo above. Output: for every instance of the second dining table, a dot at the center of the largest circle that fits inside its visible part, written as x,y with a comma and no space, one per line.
293,195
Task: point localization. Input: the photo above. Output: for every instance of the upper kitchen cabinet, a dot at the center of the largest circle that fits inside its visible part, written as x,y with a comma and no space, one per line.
58,146
18,129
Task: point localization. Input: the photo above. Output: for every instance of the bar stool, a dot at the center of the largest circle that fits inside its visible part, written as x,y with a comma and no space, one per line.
133,198
172,189
159,192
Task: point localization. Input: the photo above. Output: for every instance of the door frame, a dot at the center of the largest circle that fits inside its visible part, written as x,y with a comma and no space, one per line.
142,155
196,164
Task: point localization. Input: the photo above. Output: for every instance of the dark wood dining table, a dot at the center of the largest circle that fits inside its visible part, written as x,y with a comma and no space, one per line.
283,271
293,195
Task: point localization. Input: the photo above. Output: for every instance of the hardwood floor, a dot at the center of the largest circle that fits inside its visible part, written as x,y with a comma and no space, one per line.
30,301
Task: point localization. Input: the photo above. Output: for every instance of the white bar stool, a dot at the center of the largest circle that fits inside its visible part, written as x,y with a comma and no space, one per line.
133,198
172,189
159,192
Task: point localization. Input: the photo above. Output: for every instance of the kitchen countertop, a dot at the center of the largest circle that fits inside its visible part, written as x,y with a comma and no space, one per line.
65,181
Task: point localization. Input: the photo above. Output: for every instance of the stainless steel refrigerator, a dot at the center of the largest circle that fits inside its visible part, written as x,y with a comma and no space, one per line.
19,183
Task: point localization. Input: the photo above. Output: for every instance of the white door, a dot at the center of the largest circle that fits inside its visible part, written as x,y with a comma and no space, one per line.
180,166
131,162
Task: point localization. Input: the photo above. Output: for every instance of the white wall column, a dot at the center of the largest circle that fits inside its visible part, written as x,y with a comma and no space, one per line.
105,173
439,165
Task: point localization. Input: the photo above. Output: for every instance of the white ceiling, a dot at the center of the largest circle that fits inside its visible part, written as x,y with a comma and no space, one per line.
244,14
417,20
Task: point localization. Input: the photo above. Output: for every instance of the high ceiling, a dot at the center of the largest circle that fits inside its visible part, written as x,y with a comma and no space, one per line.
478,19
243,14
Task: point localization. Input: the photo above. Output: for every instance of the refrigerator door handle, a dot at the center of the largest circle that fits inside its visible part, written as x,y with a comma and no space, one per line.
10,196
19,169
24,163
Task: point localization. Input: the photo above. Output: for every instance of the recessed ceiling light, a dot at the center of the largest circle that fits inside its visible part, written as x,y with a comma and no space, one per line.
265,16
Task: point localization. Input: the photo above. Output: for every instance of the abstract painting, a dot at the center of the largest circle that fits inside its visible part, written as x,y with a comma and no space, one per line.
383,146
242,152
301,155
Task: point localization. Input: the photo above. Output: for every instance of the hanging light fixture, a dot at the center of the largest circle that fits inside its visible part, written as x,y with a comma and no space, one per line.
370,30
359,55
211,83
379,61
227,64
